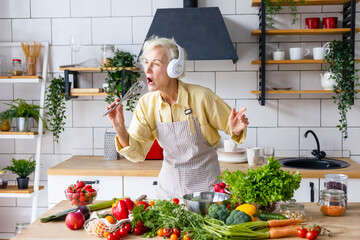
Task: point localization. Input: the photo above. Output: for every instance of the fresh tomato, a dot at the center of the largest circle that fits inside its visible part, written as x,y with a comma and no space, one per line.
127,227
151,203
146,205
106,234
312,235
160,232
301,232
118,234
176,231
111,237
167,232
173,237
186,237
175,200
318,229
137,231
139,223
123,232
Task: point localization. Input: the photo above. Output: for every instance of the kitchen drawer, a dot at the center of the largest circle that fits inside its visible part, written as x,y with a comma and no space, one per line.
108,186
308,187
136,186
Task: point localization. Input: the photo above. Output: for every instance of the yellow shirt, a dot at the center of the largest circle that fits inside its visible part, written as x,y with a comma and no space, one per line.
211,112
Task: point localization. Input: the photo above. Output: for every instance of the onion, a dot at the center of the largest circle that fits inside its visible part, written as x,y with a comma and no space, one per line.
84,210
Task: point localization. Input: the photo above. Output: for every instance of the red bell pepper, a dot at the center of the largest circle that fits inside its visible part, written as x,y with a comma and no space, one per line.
129,203
120,211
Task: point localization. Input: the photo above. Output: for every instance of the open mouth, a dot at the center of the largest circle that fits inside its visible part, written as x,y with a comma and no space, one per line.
149,81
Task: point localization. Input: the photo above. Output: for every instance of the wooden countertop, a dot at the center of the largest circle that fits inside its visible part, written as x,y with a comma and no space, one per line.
97,166
344,227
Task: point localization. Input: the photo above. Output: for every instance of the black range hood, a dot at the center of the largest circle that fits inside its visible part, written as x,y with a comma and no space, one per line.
200,31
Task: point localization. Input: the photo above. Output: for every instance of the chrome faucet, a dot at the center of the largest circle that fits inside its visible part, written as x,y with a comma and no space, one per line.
316,152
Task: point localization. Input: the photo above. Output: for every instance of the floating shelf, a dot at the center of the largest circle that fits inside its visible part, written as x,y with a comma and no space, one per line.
294,91
304,31
303,61
87,92
13,191
17,135
20,79
95,69
257,3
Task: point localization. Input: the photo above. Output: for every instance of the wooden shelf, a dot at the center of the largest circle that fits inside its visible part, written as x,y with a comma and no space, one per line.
275,32
257,3
14,189
20,79
17,135
87,92
303,61
294,91
95,69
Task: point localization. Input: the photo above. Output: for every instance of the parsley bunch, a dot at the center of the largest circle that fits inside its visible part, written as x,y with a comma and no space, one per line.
263,185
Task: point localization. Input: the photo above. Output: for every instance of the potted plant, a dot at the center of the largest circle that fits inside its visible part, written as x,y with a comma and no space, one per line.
23,112
5,119
115,76
55,105
274,8
341,66
23,168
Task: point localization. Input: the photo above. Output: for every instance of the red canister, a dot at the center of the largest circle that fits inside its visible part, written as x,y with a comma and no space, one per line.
330,22
312,23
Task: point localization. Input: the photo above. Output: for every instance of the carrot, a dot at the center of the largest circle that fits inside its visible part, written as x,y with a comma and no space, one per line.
284,222
278,232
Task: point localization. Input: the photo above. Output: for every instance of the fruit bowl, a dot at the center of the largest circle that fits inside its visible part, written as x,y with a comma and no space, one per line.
82,197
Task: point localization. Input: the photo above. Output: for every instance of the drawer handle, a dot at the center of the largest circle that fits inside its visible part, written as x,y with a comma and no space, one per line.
89,182
154,183
312,192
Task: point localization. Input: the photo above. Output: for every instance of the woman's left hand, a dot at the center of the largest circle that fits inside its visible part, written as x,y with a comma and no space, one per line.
237,121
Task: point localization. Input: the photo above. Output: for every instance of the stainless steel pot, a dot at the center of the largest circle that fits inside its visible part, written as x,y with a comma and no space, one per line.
199,202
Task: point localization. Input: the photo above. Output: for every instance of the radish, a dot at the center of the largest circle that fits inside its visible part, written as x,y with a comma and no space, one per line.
217,187
222,185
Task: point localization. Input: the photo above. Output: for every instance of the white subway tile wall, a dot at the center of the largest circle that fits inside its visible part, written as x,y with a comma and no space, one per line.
281,123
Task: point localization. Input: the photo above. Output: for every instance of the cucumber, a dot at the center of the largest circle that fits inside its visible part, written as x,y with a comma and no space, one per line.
271,216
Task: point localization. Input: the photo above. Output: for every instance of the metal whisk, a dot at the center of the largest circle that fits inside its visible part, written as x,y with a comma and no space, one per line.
130,94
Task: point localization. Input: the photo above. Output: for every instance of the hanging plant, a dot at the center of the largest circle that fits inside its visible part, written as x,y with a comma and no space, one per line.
115,76
55,105
274,8
341,64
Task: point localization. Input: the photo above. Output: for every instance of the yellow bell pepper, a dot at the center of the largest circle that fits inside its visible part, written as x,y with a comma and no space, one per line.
248,209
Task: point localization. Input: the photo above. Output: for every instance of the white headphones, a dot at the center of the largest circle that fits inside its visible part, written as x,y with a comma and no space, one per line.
176,66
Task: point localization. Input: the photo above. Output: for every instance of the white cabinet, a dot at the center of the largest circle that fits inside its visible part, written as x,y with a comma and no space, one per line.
137,186
308,190
108,186
352,189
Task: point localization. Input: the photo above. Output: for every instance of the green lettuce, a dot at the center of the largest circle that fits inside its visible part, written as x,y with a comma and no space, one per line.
265,184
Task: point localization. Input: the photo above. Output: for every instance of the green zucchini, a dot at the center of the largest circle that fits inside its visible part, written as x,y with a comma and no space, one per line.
271,216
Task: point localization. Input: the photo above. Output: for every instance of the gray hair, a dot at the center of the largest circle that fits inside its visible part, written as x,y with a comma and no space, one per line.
168,44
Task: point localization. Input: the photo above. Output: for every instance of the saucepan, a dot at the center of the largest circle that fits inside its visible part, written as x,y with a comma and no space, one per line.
199,202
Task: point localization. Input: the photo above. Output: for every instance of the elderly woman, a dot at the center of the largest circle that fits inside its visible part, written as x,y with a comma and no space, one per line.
184,118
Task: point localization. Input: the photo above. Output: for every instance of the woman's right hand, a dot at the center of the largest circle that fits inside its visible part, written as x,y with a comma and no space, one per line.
116,116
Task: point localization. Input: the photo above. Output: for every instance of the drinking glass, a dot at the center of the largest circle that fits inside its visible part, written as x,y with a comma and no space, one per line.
268,152
75,46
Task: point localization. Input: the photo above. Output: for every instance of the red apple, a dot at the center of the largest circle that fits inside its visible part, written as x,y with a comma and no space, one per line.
74,220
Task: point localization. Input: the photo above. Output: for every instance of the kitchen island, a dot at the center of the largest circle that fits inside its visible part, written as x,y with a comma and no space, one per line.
343,227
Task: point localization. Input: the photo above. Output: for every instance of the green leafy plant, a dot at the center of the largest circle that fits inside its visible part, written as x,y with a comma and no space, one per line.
341,63
274,8
115,76
21,167
55,105
266,184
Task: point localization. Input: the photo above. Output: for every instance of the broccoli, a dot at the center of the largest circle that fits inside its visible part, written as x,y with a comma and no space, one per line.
219,212
237,217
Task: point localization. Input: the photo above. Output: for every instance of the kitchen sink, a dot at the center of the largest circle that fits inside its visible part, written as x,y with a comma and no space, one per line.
313,163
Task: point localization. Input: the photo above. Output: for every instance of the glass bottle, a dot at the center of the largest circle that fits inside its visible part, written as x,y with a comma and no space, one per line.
293,210
108,51
332,202
16,69
3,179
20,226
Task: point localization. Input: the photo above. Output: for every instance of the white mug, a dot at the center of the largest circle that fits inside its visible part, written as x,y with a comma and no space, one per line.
253,156
278,55
229,146
298,53
319,52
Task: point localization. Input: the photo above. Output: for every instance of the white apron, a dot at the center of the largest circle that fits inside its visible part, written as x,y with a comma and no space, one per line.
190,163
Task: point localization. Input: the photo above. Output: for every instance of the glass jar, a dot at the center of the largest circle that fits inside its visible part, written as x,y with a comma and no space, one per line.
16,69
293,210
337,181
332,202
20,226
108,51
3,179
